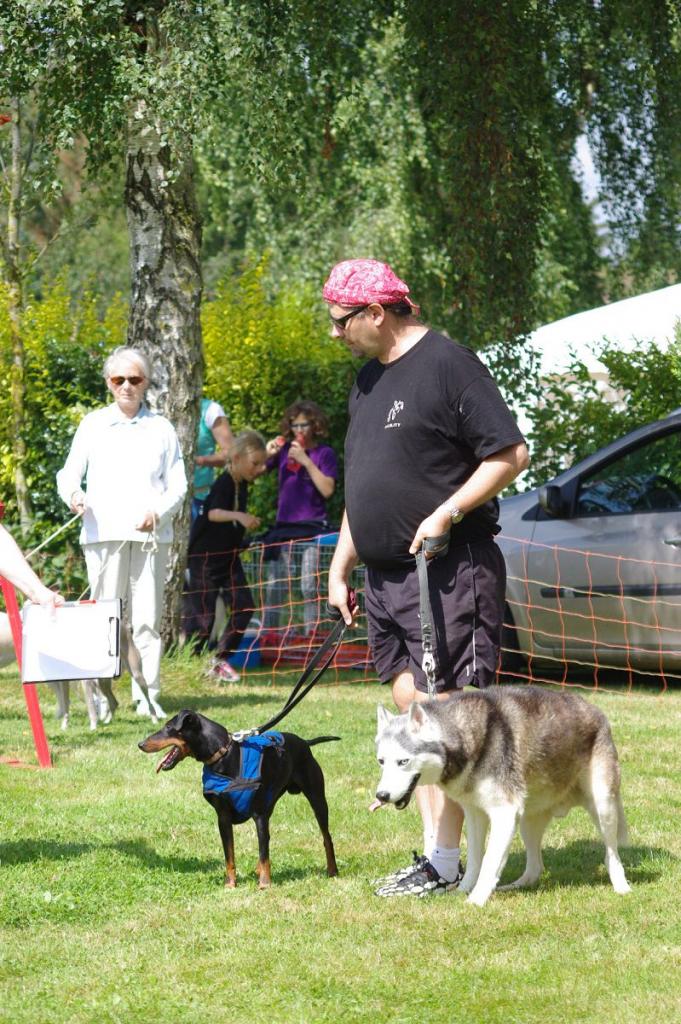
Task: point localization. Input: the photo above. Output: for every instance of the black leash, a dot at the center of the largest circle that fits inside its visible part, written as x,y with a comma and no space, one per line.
435,546
327,651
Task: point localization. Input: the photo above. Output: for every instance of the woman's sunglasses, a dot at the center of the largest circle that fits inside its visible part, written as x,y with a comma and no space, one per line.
119,381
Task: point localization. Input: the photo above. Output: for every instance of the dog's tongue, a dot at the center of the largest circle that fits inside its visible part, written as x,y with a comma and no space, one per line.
168,761
375,805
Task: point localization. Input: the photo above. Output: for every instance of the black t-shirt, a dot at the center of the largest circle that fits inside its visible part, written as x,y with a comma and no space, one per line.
217,537
419,427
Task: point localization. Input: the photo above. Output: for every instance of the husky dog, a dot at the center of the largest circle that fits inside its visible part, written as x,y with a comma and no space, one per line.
508,755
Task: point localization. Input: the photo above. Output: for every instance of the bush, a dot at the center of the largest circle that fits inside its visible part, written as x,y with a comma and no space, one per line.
264,351
65,343
574,418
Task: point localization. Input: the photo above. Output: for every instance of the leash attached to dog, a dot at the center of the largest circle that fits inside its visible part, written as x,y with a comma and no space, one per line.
327,650
435,546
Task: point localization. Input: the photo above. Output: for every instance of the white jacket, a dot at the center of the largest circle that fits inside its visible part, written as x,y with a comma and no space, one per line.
132,466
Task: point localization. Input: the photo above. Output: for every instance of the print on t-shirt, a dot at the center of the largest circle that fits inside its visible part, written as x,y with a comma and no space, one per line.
392,421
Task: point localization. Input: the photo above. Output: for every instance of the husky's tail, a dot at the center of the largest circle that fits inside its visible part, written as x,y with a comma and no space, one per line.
321,739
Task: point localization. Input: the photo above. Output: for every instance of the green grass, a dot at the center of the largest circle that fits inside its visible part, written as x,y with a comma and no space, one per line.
112,906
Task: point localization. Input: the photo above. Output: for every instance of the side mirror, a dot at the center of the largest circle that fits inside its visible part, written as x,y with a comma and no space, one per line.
551,500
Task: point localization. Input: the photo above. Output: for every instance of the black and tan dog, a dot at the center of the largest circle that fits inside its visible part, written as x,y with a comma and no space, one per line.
243,779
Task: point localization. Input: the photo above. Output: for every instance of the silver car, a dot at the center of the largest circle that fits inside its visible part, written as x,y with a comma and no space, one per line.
594,560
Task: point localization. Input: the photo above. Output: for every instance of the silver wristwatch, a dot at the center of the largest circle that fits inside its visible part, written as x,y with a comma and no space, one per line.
455,513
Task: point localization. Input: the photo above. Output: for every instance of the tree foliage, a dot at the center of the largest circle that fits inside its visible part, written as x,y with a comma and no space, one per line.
438,136
444,140
573,419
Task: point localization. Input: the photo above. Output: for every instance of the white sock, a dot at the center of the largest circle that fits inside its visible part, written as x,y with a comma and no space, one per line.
445,861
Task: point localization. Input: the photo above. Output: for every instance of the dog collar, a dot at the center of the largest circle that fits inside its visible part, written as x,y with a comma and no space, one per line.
218,754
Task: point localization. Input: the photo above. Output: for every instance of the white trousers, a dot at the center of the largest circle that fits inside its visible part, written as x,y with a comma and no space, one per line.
138,578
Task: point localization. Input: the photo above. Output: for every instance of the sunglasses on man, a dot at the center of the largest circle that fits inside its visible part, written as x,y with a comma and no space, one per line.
341,321
120,381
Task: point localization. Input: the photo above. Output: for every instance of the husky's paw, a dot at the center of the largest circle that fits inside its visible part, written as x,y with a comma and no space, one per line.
467,883
622,888
524,882
478,897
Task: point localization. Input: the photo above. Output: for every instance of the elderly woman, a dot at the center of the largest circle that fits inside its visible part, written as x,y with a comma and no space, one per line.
136,482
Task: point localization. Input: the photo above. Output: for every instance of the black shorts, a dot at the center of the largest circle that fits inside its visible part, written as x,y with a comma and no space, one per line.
467,590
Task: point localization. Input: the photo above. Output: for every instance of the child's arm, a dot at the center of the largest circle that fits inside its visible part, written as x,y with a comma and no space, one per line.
224,515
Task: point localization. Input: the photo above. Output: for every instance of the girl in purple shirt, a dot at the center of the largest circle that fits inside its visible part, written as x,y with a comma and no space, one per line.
307,471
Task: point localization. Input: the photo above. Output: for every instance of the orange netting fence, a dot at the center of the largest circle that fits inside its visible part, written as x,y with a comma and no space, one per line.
572,616
590,618
283,597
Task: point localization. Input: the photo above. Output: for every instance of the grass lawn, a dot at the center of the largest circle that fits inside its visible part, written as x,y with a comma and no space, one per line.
112,906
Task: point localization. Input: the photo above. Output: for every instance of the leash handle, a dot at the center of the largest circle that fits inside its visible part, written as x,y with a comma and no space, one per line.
335,613
436,546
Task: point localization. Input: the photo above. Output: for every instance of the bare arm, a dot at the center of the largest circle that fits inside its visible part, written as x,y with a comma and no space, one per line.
15,568
222,432
344,560
491,476
225,515
326,485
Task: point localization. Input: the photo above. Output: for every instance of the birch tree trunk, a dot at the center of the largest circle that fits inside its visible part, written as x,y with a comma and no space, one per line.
165,239
14,278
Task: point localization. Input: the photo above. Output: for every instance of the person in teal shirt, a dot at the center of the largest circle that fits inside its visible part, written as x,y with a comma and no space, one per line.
212,446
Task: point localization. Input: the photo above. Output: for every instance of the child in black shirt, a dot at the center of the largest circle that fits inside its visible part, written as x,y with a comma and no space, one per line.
214,564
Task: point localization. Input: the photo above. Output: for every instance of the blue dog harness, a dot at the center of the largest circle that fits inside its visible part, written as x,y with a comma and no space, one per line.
240,792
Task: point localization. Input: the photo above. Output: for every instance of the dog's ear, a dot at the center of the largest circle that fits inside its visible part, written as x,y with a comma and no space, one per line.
420,723
384,717
188,720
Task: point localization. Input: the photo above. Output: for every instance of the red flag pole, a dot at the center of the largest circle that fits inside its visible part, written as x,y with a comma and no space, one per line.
30,693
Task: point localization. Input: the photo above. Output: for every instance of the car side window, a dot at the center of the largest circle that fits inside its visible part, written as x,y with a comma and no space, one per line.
647,479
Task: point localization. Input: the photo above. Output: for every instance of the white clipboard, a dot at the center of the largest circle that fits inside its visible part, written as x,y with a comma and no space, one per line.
79,640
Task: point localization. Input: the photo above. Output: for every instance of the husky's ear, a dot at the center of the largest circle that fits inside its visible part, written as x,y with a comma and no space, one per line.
384,717
420,723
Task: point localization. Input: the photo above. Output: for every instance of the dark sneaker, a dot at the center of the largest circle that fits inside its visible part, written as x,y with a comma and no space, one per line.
416,865
425,881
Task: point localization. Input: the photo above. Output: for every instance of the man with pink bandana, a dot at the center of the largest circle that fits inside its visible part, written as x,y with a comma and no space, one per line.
429,445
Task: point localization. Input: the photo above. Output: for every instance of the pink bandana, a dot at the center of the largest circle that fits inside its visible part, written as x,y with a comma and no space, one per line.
359,282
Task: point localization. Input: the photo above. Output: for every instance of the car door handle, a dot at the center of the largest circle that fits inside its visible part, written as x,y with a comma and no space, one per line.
675,542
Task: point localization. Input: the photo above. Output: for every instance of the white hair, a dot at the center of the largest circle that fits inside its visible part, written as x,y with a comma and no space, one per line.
130,355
